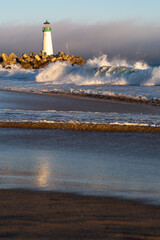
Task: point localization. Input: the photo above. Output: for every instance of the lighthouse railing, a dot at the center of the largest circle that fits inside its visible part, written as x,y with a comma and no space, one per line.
46,28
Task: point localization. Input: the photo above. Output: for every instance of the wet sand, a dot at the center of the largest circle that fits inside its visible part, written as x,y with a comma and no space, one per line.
35,102
50,215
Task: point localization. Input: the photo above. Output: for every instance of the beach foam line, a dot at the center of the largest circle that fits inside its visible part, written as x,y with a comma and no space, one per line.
81,126
110,96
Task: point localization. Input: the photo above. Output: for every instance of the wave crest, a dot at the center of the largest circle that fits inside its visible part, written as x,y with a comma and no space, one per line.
97,71
101,71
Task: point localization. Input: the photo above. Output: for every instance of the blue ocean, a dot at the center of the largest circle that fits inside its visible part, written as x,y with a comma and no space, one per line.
136,82
121,164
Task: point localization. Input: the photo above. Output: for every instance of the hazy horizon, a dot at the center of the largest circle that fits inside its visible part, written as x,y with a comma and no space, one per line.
125,39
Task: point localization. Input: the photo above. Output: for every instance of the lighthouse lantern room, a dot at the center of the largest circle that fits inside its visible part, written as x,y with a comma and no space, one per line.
47,48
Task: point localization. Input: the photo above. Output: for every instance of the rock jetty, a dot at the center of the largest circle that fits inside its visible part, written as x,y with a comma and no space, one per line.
36,61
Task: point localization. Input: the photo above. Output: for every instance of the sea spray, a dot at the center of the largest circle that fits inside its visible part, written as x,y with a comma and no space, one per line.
17,73
95,71
98,77
99,71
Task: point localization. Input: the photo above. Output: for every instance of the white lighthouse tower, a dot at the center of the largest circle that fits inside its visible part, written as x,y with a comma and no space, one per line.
47,48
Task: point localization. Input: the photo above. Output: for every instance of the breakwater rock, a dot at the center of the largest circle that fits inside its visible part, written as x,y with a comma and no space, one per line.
36,61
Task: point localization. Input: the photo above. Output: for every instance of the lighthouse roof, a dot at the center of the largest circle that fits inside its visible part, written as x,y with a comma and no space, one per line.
46,22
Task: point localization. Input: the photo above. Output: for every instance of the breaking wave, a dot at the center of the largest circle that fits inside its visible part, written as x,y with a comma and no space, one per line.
117,79
100,71
15,72
97,71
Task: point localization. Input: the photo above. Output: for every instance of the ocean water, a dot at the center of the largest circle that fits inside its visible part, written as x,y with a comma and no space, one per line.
98,76
117,79
88,162
124,165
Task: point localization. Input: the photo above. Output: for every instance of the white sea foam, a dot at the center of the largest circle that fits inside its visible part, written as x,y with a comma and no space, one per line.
17,73
9,115
100,71
98,76
141,65
96,71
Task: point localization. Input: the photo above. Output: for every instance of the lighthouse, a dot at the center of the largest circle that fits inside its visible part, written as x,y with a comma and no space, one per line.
47,48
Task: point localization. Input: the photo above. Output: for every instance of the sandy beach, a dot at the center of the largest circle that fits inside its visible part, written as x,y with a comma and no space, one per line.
50,215
58,102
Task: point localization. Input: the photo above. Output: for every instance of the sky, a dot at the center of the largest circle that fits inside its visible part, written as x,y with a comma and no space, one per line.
125,28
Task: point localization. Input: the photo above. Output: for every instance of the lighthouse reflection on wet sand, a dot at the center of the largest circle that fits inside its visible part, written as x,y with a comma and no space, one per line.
47,48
